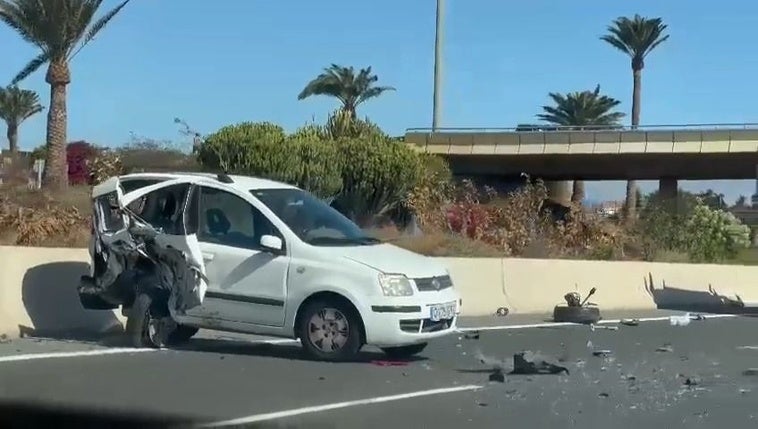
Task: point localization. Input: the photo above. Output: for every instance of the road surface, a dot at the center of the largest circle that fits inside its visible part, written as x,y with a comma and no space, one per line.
234,379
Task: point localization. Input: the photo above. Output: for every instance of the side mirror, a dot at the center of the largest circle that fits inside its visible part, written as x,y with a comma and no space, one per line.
272,243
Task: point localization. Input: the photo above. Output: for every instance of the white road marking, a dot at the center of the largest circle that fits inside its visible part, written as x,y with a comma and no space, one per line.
81,353
559,324
747,348
328,407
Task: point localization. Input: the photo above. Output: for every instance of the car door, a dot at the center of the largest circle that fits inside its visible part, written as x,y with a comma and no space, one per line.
245,282
163,207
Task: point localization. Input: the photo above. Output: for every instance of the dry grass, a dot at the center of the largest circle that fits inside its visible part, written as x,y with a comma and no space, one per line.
438,244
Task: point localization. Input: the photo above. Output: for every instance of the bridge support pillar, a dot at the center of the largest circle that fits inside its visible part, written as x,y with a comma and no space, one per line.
668,187
559,191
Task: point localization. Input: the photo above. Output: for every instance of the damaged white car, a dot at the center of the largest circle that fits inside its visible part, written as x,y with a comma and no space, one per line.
180,252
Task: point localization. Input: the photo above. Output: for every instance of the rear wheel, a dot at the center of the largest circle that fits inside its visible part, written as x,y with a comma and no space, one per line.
329,330
149,323
404,352
585,314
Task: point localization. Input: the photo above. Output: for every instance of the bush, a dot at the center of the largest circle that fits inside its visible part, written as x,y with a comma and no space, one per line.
377,176
713,235
78,156
106,164
262,149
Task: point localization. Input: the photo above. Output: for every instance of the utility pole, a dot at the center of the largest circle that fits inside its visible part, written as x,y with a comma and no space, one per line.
438,32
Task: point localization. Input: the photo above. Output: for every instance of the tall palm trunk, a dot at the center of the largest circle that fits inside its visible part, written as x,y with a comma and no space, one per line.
56,168
631,185
12,135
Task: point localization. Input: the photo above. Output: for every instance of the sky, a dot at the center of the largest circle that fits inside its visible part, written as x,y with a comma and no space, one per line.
213,63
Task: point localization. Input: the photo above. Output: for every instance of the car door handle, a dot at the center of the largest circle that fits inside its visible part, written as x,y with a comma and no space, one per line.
207,257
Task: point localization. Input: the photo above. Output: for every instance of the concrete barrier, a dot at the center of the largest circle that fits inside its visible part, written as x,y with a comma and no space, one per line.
38,291
38,287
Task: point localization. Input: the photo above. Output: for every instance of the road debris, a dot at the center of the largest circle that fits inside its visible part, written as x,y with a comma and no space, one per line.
750,372
602,353
747,348
603,395
577,310
593,327
4,339
473,335
692,381
666,348
502,312
630,322
527,363
680,320
497,376
388,363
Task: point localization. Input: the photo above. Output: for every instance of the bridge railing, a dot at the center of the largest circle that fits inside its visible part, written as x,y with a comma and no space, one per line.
710,138
551,128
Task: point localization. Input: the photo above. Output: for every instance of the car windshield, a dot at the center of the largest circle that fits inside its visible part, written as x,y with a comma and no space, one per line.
311,219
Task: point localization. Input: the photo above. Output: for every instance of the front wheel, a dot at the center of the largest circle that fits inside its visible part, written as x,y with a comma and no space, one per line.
404,352
330,330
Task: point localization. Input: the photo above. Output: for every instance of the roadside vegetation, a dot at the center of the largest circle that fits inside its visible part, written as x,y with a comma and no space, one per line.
399,194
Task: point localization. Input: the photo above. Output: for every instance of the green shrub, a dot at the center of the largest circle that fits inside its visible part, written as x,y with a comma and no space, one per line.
713,235
377,175
262,150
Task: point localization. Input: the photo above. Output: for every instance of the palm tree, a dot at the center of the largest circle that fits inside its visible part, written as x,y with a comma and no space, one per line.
16,106
636,37
578,110
343,84
60,29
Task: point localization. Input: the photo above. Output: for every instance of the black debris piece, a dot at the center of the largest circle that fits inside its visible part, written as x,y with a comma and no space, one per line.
603,395
526,363
692,381
474,335
498,376
482,404
602,353
502,311
750,372
322,378
630,322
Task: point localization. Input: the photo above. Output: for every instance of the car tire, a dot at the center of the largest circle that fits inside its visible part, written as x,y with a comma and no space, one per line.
404,352
348,322
143,312
182,334
586,314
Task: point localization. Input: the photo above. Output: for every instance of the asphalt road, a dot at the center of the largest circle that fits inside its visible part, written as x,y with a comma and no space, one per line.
642,382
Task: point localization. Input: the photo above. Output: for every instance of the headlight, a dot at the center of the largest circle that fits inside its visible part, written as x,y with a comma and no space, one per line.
395,285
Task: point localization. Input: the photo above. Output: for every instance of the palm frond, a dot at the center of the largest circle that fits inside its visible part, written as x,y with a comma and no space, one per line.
30,68
636,36
99,24
344,84
17,105
578,109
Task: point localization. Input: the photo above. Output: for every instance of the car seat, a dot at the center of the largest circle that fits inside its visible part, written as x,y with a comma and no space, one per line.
217,222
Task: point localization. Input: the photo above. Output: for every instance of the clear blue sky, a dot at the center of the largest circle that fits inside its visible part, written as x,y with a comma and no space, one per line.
217,62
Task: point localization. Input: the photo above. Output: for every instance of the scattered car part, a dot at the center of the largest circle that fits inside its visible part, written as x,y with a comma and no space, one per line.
666,348
593,327
497,376
474,335
587,314
526,363
630,322
576,310
502,311
602,353
680,320
750,372
388,363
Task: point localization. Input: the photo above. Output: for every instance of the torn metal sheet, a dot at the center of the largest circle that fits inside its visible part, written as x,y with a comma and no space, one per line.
130,255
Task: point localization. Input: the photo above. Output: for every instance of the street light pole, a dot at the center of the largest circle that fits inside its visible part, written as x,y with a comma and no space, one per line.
438,31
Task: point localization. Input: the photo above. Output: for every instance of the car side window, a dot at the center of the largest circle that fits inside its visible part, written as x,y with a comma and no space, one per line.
164,208
229,220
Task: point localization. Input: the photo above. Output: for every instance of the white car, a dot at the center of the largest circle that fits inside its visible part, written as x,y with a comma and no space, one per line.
180,252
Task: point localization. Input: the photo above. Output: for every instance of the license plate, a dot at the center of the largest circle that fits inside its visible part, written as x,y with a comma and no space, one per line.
442,312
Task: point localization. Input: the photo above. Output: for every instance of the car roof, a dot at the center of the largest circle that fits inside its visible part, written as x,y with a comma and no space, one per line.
244,183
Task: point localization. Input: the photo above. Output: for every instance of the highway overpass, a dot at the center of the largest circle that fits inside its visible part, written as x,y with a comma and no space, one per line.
665,153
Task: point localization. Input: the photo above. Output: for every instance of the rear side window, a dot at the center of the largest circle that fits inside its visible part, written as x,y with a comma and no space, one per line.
107,208
164,208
